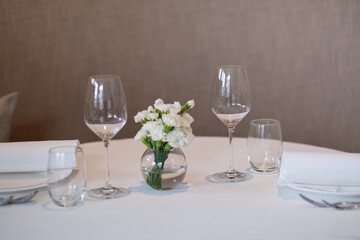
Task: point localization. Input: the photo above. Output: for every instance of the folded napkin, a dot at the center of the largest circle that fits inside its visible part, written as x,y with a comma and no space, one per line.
334,172
28,156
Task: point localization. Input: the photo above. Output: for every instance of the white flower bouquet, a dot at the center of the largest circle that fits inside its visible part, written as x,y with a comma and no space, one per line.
164,126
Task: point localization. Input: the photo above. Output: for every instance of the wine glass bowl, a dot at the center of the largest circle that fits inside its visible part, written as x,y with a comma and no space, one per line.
105,114
231,102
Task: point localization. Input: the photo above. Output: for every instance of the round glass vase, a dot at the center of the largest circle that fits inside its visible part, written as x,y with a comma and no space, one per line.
163,169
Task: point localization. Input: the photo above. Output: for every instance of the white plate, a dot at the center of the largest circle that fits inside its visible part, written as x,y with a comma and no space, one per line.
341,191
15,182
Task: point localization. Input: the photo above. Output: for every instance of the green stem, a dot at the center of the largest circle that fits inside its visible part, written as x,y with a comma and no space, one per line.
154,178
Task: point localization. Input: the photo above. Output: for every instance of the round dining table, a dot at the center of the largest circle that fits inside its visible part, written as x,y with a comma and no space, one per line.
199,208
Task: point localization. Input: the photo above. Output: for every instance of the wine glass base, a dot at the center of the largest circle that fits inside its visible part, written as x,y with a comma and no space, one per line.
233,177
108,193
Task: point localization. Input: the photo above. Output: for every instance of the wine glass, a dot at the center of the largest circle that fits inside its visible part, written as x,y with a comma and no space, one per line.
230,102
105,114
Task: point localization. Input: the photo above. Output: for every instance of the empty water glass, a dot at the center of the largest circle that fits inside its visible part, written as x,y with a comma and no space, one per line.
66,175
264,145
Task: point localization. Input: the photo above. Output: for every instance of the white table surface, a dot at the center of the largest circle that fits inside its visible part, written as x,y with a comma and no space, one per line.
198,209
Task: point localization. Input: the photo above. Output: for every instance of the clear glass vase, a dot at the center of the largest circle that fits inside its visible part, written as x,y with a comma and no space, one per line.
163,169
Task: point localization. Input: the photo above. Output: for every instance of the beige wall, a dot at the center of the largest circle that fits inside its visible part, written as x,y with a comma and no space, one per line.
302,56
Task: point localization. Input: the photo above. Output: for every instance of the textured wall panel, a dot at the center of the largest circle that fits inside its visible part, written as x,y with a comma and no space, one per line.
302,56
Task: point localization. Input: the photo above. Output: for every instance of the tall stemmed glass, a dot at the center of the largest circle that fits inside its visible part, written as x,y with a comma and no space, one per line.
105,114
230,102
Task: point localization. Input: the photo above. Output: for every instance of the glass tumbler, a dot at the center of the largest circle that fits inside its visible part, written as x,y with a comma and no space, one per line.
66,174
264,145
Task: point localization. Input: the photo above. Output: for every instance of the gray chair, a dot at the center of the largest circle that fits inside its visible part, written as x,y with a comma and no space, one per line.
7,108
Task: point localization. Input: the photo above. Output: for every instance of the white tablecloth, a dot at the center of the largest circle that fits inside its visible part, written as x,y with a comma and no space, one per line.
198,209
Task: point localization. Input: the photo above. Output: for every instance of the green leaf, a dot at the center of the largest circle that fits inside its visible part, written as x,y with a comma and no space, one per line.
184,108
158,144
159,112
167,146
168,129
146,142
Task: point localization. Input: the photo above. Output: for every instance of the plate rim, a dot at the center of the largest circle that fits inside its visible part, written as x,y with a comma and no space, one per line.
21,189
27,187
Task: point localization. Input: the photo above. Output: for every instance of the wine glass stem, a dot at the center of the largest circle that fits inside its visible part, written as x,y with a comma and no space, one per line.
231,148
108,182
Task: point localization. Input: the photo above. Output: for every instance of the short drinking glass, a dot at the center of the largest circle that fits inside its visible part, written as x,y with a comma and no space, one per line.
264,145
66,174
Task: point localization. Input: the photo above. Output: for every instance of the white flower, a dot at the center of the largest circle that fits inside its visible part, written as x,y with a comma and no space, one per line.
140,134
152,116
172,119
180,137
186,120
178,132
146,115
154,130
191,103
175,108
140,116
159,104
